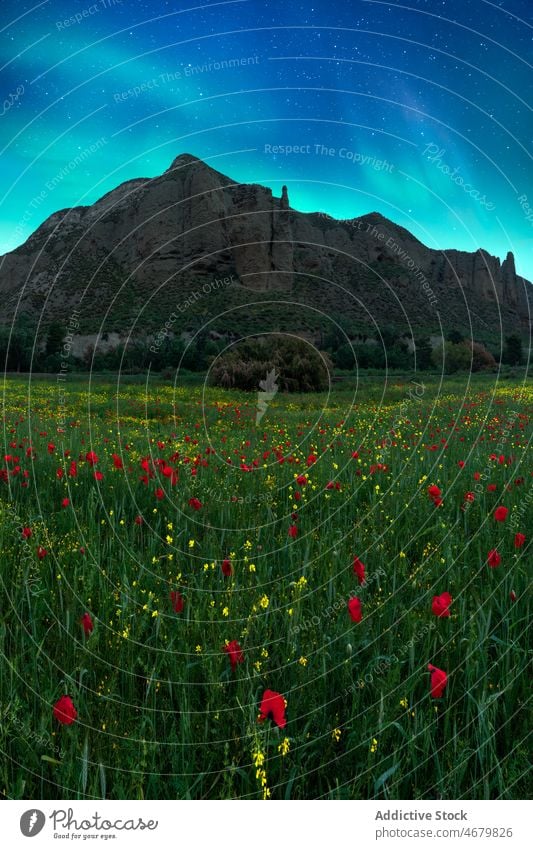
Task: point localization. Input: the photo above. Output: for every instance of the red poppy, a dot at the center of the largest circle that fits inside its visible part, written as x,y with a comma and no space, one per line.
491,487
51,448
138,520
87,624
354,609
293,531
273,707
117,461
500,514
439,679
26,533
301,480
441,605
227,568
359,569
195,503
91,458
519,540
435,494
65,502
159,493
493,558
64,710
98,476
512,595
41,552
177,601
234,652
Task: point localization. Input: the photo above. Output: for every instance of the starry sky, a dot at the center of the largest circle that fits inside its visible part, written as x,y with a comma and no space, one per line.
413,109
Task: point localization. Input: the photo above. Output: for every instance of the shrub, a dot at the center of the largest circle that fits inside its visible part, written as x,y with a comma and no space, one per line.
463,356
481,358
298,366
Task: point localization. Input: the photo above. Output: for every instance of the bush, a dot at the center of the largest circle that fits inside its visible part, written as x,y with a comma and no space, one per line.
297,365
481,358
462,356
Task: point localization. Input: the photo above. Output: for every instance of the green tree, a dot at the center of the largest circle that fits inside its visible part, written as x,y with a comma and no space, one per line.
452,357
512,353
369,356
55,338
387,336
423,351
344,357
16,344
398,355
193,359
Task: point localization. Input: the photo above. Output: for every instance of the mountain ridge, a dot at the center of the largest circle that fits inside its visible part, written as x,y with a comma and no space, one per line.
149,242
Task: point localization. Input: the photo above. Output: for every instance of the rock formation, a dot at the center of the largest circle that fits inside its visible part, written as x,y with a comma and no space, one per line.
140,251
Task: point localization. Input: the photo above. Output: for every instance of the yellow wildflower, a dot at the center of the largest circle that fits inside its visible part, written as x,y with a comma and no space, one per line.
284,747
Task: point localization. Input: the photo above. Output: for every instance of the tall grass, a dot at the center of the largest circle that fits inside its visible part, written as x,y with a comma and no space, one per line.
160,712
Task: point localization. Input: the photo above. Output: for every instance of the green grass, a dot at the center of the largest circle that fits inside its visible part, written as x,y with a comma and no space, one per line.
160,713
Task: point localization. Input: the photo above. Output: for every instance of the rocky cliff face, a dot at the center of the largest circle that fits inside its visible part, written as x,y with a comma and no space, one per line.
140,251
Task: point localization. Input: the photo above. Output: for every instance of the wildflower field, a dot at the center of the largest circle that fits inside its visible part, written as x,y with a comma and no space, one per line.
323,599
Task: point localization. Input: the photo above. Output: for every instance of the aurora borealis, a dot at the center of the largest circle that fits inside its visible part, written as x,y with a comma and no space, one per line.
416,110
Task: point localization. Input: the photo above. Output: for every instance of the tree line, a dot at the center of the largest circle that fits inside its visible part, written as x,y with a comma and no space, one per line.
23,349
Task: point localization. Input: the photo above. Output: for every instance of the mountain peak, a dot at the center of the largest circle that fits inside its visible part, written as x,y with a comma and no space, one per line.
186,164
185,159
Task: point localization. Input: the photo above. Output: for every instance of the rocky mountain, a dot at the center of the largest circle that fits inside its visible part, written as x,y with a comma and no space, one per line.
194,248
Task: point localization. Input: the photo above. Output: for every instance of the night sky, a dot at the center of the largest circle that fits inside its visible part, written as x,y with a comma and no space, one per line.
392,106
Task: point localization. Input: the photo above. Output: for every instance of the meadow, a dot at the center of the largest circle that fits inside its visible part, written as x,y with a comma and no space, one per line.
325,597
